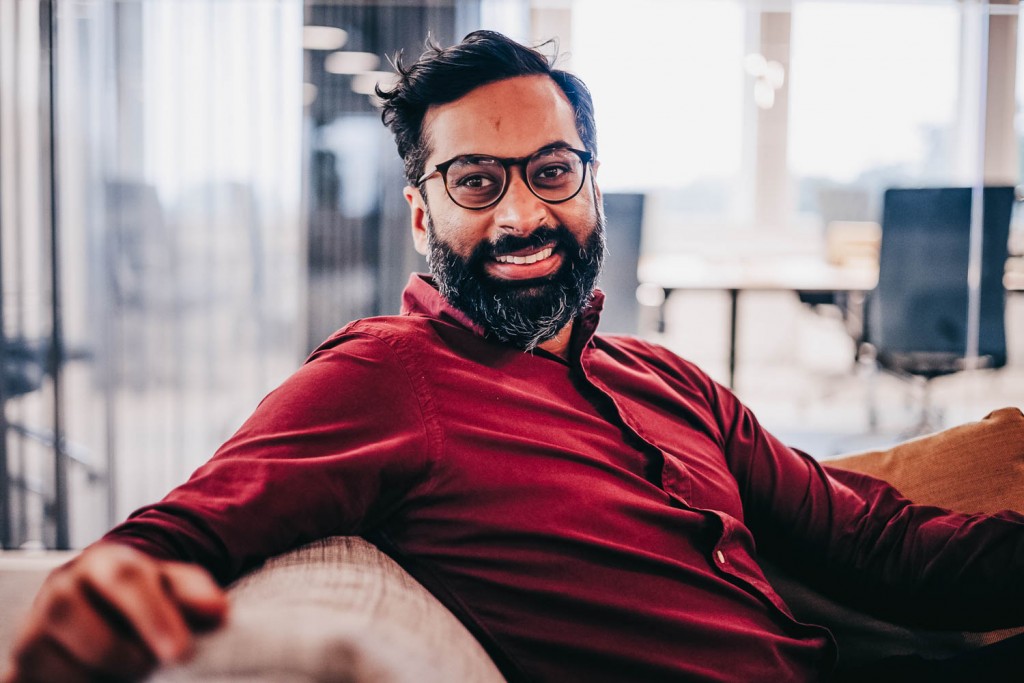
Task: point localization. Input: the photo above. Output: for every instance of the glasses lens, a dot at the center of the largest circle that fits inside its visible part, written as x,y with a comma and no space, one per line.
555,174
475,181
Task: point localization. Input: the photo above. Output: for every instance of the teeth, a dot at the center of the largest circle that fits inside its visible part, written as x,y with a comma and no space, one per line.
526,260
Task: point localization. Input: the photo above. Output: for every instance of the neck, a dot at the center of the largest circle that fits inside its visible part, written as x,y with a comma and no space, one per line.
559,344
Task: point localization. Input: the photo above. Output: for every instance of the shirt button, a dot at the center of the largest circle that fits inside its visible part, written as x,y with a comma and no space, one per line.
721,556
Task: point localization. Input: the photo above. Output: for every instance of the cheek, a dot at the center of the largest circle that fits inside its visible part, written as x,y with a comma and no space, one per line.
584,206
579,218
460,235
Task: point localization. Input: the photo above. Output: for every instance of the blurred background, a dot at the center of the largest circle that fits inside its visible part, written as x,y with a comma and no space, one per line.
195,193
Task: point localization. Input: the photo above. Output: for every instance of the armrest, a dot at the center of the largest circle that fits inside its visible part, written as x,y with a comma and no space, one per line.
336,609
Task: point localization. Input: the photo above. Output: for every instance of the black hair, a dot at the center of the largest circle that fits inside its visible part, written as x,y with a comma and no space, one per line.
443,75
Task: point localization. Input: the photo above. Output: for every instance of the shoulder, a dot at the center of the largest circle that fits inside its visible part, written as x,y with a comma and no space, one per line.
388,353
362,369
633,350
400,339
381,331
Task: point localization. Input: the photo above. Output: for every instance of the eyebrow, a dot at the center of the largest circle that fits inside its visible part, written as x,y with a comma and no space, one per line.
543,148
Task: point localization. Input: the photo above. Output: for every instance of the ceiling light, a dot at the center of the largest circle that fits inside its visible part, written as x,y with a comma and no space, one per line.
309,92
775,74
351,62
323,37
754,64
764,94
364,83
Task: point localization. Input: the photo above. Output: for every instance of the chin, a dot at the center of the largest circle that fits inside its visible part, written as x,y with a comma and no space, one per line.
527,287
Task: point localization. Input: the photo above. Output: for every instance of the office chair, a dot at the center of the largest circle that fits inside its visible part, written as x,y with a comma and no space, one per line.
618,280
917,315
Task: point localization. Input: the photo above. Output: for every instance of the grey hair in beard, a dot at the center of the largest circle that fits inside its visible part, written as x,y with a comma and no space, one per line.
521,314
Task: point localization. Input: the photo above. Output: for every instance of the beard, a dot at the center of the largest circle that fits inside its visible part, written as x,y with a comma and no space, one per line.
523,313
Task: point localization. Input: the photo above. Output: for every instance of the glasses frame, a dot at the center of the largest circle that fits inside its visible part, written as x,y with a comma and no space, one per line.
507,163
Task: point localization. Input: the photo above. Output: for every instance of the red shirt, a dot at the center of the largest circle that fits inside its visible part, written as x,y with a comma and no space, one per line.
590,520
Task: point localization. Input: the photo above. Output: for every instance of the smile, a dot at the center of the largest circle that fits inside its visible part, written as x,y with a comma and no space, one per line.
526,260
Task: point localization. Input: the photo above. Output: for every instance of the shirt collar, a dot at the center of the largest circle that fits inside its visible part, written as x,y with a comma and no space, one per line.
422,298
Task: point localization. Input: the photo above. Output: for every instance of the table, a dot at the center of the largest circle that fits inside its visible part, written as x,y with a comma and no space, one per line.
802,272
734,274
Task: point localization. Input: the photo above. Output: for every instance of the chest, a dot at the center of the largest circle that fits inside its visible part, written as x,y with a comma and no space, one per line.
577,441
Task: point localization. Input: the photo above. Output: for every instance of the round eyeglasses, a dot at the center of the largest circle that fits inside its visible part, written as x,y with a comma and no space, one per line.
477,181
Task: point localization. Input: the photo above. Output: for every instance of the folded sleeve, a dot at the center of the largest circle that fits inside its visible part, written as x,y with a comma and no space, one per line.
333,450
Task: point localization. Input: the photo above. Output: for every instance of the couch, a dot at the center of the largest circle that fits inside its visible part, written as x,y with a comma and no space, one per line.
340,610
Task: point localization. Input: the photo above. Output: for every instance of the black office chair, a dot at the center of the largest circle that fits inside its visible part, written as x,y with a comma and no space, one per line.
918,314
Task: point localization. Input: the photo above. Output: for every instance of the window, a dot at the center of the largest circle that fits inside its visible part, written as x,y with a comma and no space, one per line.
873,102
667,79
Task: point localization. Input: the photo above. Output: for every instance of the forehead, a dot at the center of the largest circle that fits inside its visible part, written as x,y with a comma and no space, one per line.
508,118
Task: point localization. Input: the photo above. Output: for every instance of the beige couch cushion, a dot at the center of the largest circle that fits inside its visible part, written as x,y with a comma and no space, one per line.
336,610
975,467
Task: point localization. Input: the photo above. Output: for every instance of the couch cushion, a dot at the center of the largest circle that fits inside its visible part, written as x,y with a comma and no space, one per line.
335,610
975,467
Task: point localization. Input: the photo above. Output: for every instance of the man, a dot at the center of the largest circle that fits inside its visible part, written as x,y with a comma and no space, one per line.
593,508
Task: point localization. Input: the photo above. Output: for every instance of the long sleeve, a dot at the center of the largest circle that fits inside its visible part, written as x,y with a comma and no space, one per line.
333,450
859,540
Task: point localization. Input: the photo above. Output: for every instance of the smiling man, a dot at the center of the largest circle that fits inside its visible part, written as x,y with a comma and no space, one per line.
592,507
519,246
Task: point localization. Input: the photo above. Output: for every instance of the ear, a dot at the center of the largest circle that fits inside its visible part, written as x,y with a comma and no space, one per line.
417,218
594,165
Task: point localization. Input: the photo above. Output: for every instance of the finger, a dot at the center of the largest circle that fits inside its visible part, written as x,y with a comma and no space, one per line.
204,603
131,585
87,633
91,635
44,661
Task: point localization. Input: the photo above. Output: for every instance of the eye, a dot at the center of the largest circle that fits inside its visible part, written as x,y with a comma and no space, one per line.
475,181
554,169
553,175
552,172
475,174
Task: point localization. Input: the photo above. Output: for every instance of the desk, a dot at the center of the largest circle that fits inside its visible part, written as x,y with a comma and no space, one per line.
781,272
775,272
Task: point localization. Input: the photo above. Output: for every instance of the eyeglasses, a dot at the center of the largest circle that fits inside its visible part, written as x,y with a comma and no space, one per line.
477,181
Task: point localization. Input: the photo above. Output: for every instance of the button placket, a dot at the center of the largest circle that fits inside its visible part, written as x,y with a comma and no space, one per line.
675,480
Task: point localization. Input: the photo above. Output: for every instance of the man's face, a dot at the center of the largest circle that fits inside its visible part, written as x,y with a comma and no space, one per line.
523,268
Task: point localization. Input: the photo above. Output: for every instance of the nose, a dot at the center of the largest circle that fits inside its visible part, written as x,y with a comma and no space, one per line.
520,211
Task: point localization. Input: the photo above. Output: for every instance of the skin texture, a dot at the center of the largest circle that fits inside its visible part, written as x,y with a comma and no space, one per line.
510,118
114,613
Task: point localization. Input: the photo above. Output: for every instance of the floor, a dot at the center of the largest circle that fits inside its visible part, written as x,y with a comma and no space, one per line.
796,370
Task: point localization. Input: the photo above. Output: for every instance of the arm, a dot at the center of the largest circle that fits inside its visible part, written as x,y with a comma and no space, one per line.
855,537
334,450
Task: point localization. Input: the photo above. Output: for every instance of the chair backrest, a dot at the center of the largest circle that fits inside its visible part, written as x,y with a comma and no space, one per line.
921,302
624,213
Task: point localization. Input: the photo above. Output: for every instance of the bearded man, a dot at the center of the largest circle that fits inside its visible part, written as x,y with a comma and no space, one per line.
592,507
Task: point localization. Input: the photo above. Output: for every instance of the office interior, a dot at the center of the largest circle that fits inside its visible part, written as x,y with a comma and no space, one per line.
194,194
